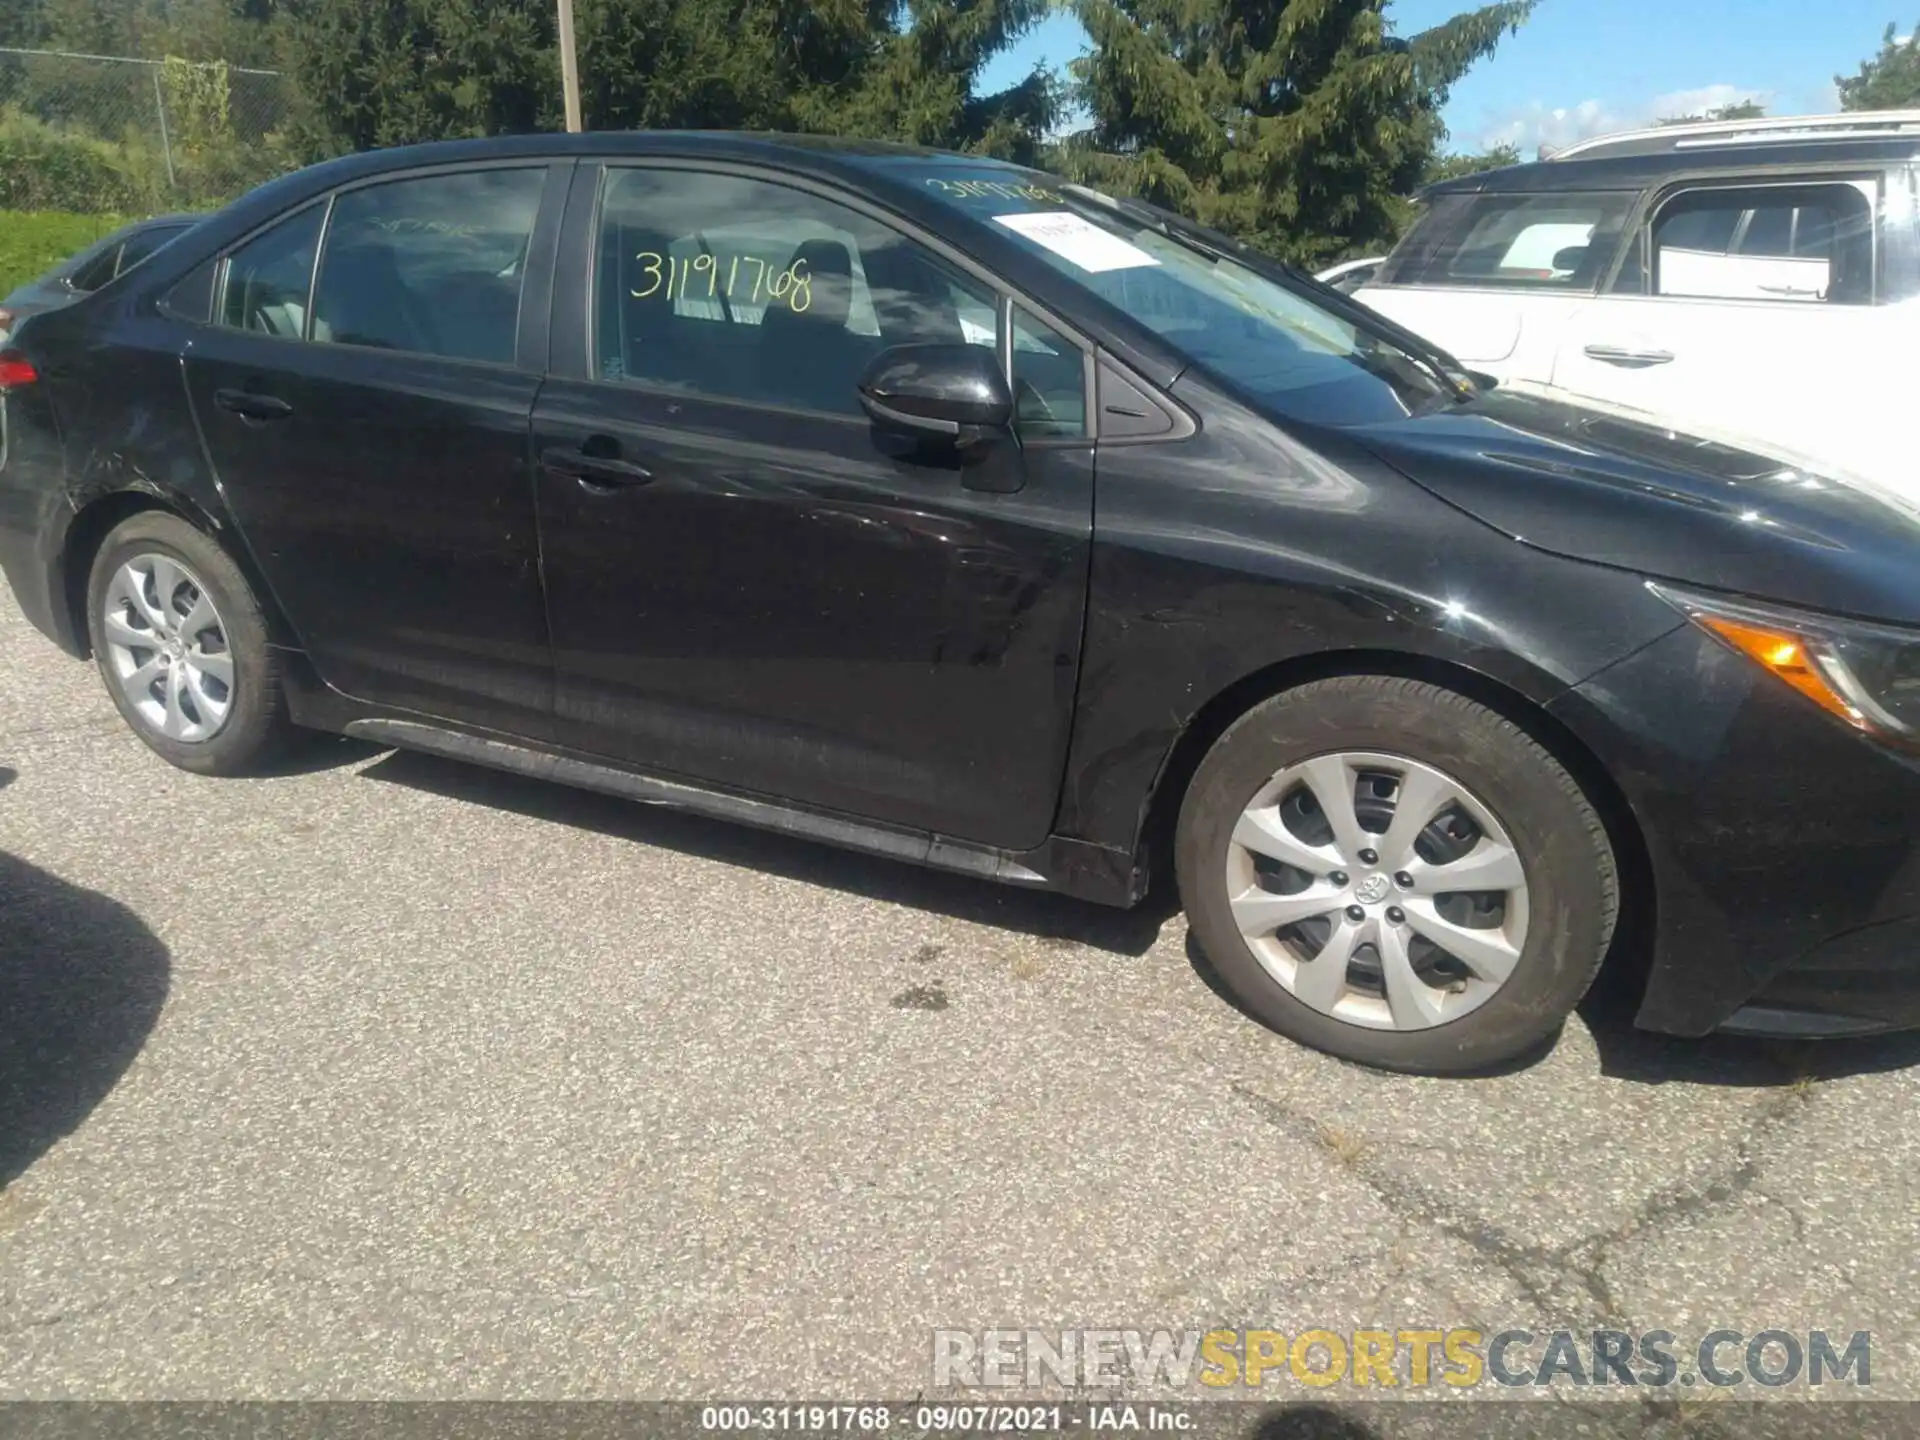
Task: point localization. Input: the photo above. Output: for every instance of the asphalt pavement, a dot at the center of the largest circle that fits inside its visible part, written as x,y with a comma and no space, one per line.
393,1078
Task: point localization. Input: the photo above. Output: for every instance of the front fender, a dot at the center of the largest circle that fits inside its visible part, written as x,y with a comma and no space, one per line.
1240,555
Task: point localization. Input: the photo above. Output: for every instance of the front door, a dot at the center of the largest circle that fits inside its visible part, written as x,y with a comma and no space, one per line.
374,452
747,584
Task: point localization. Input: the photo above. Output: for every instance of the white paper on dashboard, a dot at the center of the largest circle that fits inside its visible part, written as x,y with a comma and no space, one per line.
1076,241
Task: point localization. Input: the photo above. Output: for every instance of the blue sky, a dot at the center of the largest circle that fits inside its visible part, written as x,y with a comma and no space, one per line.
1583,67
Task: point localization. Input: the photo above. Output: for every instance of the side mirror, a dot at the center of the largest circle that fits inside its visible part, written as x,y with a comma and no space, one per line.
1571,258
953,392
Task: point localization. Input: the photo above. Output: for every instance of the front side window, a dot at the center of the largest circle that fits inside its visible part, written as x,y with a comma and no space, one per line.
1555,241
431,266
1049,380
1247,321
744,289
1798,243
267,278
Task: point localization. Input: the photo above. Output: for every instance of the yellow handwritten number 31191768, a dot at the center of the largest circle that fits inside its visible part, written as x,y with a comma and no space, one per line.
743,277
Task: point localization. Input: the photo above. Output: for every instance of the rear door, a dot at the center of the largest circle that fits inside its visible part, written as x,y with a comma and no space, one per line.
1748,309
749,585
365,391
1493,278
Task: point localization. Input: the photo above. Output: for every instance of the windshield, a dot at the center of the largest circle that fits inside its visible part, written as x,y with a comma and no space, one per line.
1257,329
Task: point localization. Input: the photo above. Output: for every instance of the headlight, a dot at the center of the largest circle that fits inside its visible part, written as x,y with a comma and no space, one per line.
1868,675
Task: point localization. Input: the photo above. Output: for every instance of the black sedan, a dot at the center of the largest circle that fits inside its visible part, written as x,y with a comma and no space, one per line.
946,510
87,270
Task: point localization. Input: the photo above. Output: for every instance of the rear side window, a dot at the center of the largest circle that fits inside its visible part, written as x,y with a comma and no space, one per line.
96,272
268,277
1792,243
1563,241
140,246
431,266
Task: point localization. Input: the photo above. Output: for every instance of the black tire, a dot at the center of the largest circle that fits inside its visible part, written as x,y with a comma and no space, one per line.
256,729
1572,880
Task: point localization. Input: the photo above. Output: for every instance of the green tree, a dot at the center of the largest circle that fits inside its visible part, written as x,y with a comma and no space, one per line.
658,64
23,23
391,72
1737,110
915,77
383,72
1452,167
1298,125
1889,81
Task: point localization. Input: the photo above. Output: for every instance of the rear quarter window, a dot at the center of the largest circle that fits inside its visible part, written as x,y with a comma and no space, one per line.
1554,241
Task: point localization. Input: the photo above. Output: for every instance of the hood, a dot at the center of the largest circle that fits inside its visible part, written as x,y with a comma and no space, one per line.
1592,485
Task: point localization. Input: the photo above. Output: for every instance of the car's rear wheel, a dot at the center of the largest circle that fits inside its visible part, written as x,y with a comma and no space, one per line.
1391,872
182,646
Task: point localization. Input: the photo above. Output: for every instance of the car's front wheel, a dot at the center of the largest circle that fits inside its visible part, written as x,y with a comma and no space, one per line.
1393,873
182,646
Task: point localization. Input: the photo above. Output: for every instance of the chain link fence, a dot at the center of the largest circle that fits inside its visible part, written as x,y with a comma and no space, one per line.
101,134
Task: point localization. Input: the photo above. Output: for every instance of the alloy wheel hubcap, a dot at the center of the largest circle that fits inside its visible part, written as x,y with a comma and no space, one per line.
167,649
1378,890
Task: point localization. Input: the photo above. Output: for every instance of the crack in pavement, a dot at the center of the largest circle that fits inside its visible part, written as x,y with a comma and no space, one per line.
1569,1279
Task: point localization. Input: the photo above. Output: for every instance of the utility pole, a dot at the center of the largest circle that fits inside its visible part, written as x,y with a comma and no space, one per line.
569,68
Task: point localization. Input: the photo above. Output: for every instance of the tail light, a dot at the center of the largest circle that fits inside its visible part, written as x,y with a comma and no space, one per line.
16,370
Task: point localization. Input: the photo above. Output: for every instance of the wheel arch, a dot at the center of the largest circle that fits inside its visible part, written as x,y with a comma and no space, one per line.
87,531
1624,972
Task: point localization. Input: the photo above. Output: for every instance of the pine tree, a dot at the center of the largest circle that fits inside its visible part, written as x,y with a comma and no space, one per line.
391,72
916,79
385,72
1296,125
1889,81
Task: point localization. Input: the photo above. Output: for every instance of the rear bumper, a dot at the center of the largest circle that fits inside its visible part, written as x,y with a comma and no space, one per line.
34,514
1783,849
35,588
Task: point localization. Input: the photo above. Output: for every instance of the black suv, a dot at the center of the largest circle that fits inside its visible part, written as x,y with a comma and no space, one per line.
953,512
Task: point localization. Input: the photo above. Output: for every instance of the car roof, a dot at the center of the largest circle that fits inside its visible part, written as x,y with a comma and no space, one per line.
847,159
825,151
1634,165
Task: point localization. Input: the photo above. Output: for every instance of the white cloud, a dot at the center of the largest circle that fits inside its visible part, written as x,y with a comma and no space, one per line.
1537,124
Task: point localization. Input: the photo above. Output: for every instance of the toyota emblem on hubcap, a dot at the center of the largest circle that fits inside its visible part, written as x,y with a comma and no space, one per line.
1372,890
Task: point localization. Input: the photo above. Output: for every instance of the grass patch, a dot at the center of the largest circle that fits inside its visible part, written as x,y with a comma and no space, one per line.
33,241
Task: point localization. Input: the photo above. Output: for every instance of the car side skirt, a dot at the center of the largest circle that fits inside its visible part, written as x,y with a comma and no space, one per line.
1068,866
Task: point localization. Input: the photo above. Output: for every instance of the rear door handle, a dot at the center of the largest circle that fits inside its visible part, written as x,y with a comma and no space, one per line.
250,406
1620,355
604,472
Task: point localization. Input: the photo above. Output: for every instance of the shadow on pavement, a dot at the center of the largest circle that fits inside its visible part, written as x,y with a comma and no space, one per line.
1627,1053
82,981
1630,1054
317,751
1125,932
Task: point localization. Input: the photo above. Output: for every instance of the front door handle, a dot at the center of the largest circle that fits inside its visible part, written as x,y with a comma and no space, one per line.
1620,355
600,472
249,406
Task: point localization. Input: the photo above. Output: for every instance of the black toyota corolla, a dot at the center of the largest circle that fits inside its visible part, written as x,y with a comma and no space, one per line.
945,510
